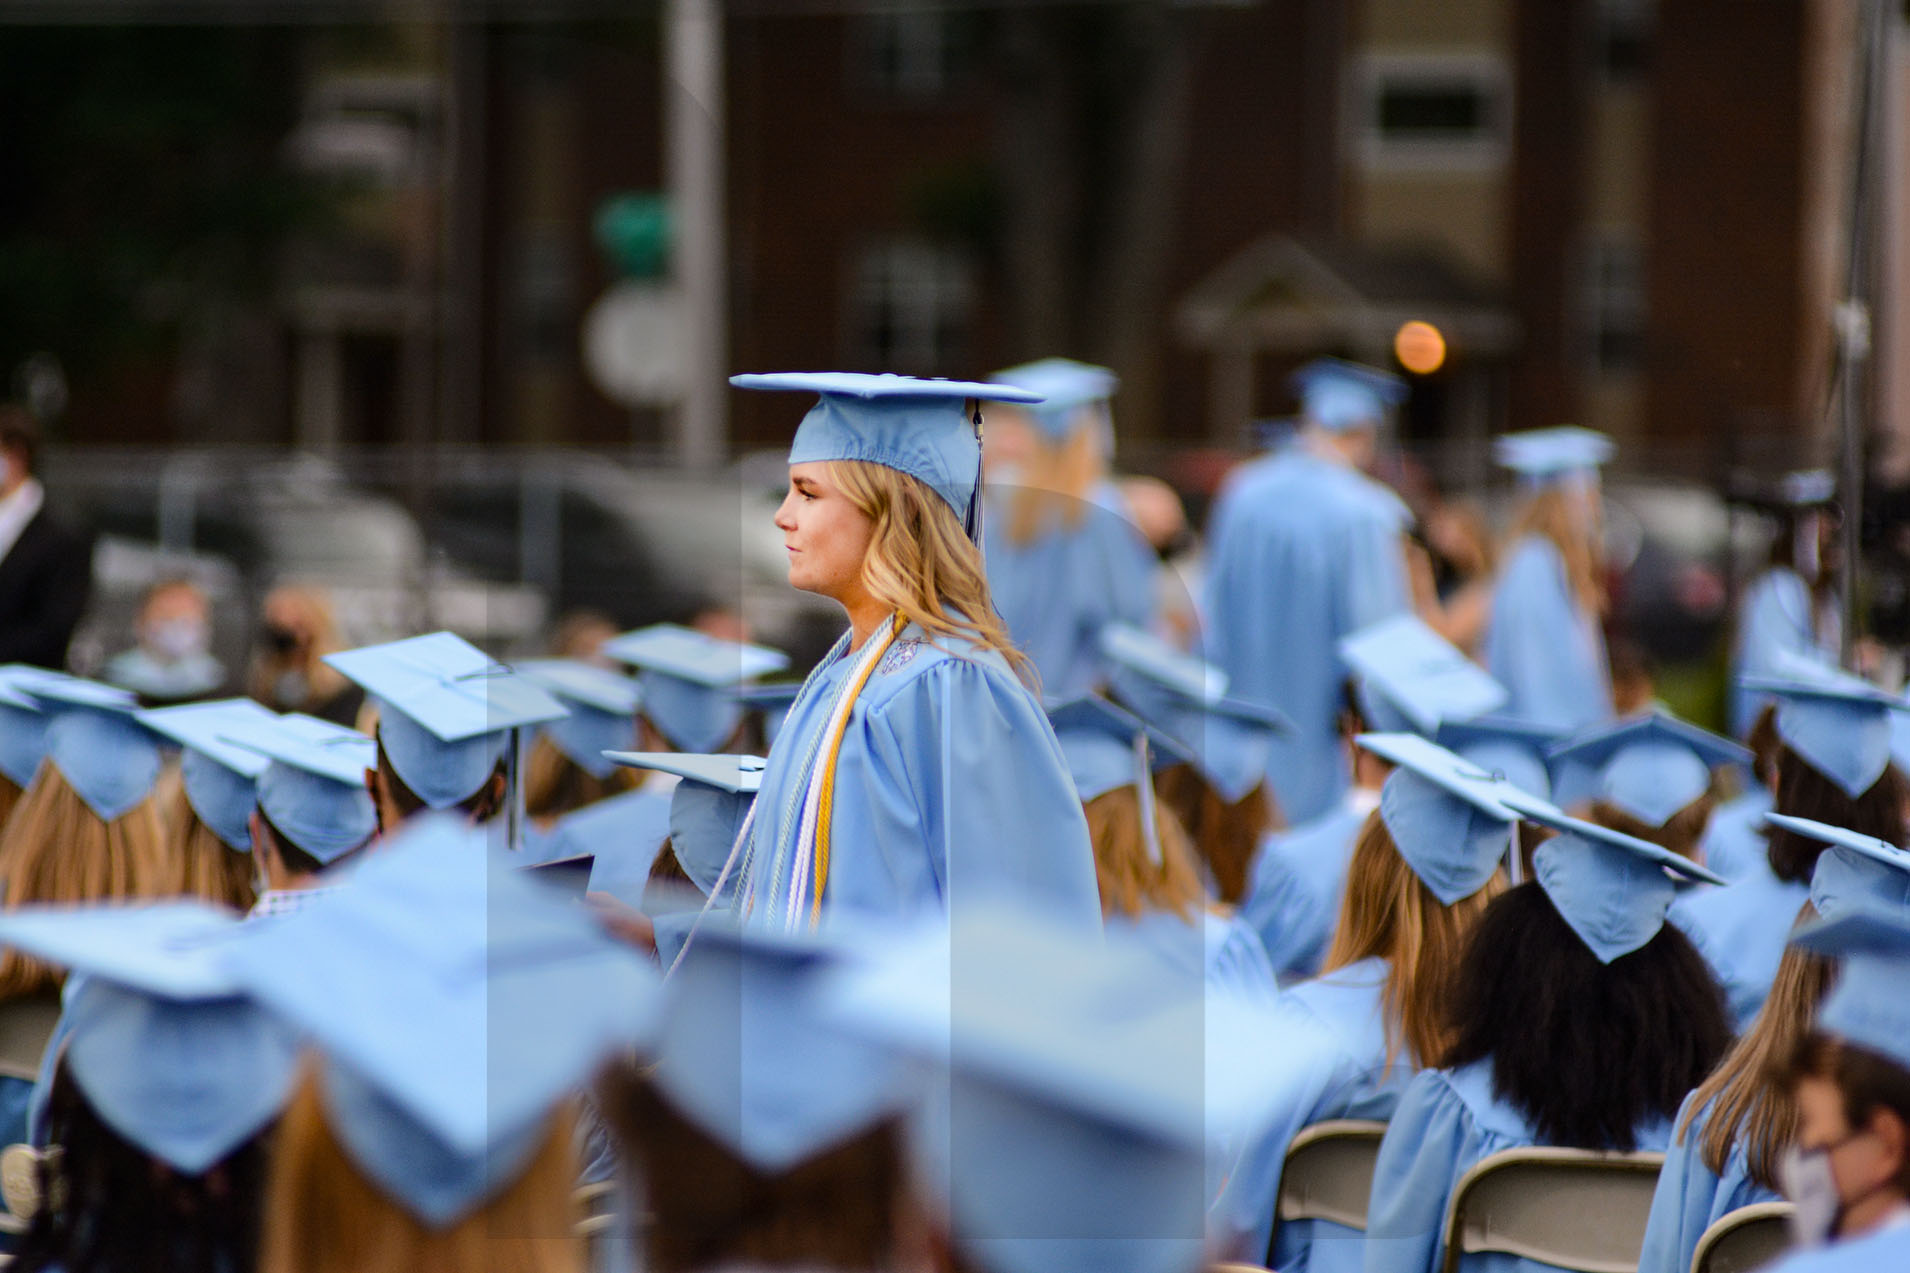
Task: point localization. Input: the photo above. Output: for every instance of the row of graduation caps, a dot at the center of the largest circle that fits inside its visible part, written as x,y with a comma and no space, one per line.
1041,1073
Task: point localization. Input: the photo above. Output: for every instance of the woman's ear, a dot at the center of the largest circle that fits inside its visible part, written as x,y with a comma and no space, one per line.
1892,1135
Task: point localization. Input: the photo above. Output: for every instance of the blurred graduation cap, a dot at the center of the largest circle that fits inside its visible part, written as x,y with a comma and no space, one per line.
601,708
1649,766
446,711
569,874
1338,395
1450,820
109,759
746,1052
1854,869
1229,739
22,727
313,791
1797,490
1503,745
689,680
773,699
706,809
621,834
220,776
158,1035
1107,746
1562,454
1838,723
447,1044
1082,1087
1867,1007
1064,387
1611,889
1411,678
916,426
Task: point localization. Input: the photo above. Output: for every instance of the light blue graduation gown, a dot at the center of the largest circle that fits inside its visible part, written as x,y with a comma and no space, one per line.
1690,1197
1296,882
1312,551
1542,645
1060,589
1223,952
949,783
1884,1248
1333,1066
1774,621
624,831
1733,842
1447,1121
1741,930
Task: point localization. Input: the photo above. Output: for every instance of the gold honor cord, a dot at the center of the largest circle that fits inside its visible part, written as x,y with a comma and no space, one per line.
826,803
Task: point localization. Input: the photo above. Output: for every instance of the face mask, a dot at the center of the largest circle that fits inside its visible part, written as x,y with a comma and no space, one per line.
177,639
1806,1179
290,690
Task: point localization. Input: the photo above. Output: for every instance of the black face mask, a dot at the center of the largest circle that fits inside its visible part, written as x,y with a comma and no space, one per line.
281,640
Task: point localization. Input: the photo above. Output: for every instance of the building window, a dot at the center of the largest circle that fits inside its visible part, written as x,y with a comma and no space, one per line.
1621,39
1433,111
911,305
1615,305
909,53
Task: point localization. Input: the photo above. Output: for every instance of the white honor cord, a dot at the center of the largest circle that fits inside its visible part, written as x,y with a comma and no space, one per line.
716,890
1144,787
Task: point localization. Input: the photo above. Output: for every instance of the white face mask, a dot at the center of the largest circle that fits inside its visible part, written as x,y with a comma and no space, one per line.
1806,1179
178,638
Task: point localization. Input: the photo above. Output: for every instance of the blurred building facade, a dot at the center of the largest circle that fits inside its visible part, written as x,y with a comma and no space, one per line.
1626,213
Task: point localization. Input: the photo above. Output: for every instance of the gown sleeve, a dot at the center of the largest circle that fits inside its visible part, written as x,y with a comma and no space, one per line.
1283,911
1377,586
964,764
1681,1206
1429,1143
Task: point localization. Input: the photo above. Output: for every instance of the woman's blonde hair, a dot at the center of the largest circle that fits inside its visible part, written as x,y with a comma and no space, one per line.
555,785
56,849
921,564
1132,882
9,796
323,1216
1054,484
206,866
1224,835
1748,1106
1389,913
1549,514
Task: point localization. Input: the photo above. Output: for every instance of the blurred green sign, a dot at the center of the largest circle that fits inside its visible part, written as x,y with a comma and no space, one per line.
633,231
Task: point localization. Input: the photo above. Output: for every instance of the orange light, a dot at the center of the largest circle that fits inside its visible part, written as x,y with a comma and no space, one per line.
1420,347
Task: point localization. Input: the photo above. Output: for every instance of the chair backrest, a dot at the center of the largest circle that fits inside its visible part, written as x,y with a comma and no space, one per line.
1746,1239
25,1026
1575,1208
1328,1174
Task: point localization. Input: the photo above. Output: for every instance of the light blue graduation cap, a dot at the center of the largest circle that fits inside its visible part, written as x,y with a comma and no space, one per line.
1854,869
1083,1087
157,1034
447,710
1838,723
219,775
914,426
1867,1007
1108,746
1064,386
1566,454
773,699
313,791
22,726
706,809
601,705
1649,766
1185,696
1411,678
1339,396
1612,889
746,1052
689,679
109,759
1512,748
448,1043
1450,820
1806,488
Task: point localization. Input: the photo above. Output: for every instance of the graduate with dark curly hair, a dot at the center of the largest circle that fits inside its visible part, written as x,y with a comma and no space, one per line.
1581,1019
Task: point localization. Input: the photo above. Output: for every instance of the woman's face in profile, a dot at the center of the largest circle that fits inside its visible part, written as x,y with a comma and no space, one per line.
825,534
